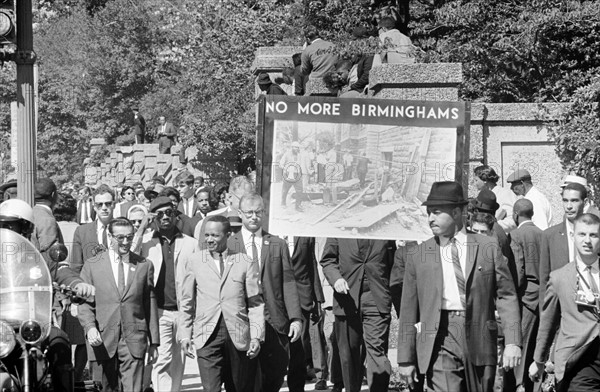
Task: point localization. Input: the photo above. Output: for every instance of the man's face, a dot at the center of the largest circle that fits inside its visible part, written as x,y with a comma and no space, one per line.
104,206
202,200
442,220
136,218
572,203
518,188
343,74
481,228
129,194
215,237
165,217
198,183
251,212
162,120
121,239
183,188
83,194
174,201
587,239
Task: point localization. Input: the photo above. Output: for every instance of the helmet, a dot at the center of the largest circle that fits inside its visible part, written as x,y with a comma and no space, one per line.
15,209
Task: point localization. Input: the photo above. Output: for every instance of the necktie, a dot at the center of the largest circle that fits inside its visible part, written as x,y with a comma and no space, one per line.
458,273
254,249
593,285
221,264
121,276
104,238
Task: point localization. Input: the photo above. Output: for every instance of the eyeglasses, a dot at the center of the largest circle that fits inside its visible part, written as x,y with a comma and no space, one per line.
249,214
122,238
136,221
106,204
169,213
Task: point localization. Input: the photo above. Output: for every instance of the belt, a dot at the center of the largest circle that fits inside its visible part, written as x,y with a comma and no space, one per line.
460,313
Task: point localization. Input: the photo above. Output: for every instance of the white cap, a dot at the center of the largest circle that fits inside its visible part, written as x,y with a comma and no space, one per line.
572,178
16,209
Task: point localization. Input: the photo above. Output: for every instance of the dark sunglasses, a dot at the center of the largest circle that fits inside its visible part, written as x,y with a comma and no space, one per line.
170,213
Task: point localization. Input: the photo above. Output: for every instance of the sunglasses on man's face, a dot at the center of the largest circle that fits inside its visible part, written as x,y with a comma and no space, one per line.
170,213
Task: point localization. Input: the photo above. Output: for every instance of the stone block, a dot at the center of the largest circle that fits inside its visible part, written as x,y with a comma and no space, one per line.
125,149
416,94
476,142
316,87
522,112
478,112
97,141
150,162
417,74
273,59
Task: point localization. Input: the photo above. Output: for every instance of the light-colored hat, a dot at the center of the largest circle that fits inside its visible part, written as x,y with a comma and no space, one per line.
576,179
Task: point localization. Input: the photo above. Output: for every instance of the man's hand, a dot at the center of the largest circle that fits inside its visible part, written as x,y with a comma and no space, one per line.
295,330
94,337
85,290
408,373
536,370
73,310
152,354
341,286
188,348
512,356
254,349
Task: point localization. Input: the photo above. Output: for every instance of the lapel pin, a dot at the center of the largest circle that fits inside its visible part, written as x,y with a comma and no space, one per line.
266,242
479,268
132,269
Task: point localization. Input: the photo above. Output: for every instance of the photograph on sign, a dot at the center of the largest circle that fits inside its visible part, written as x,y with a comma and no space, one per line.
356,179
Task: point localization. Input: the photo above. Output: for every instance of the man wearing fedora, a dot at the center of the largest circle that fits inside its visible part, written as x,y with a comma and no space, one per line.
265,84
466,278
521,185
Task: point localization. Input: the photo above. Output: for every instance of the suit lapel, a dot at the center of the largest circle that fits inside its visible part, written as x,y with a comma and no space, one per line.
178,246
433,247
108,266
228,265
133,267
206,257
264,250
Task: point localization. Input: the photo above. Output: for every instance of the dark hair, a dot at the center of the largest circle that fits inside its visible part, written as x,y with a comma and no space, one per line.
216,193
222,220
311,32
65,208
119,222
297,59
102,189
486,173
170,191
199,178
484,218
574,186
387,22
125,189
186,177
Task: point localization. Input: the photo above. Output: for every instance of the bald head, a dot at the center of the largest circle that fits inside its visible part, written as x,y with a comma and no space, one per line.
523,208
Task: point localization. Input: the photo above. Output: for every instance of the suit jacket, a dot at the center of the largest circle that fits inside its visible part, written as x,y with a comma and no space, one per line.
318,58
124,207
80,211
525,243
132,316
306,273
280,293
139,124
180,208
554,253
206,296
168,139
489,286
151,249
47,232
343,258
85,244
578,324
363,69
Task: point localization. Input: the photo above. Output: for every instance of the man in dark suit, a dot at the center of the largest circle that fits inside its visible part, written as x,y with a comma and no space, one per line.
557,247
525,243
222,312
184,182
283,314
572,307
123,322
47,232
166,136
139,125
311,297
359,271
452,285
85,207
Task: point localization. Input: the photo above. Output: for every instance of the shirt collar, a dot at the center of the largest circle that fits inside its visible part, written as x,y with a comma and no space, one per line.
215,255
569,226
44,206
176,233
113,256
247,234
581,266
522,223
461,237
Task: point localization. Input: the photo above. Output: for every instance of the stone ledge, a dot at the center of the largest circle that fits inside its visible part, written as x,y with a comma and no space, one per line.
277,51
316,87
271,64
417,75
514,112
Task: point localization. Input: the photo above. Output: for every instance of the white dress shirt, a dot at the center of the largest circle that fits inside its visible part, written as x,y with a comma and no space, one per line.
450,294
247,237
582,267
570,239
114,264
215,257
542,210
99,231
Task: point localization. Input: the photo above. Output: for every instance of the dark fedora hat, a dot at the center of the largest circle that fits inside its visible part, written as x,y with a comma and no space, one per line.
486,202
446,193
263,78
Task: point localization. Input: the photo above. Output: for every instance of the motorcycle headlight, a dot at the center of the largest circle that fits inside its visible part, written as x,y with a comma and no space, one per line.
31,331
8,339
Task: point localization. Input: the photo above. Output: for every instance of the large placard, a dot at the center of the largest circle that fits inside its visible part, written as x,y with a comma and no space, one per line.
355,168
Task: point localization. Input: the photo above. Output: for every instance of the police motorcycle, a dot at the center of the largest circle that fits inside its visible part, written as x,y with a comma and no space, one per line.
26,300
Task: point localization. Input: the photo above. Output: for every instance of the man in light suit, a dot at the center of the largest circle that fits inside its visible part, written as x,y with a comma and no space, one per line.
122,324
85,207
572,307
283,313
558,246
165,246
221,304
166,136
360,271
452,285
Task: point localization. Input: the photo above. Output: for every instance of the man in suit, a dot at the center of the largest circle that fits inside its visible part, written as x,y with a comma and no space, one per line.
283,313
558,247
525,243
47,232
359,271
572,307
123,322
85,207
318,57
165,246
184,181
222,305
310,293
202,196
521,185
166,136
452,285
139,125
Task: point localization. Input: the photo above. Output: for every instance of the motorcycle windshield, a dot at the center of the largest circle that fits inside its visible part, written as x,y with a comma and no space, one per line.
25,282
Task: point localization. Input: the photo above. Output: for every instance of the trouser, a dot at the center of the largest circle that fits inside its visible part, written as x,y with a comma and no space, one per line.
273,358
122,372
220,362
361,177
296,375
286,188
318,346
373,328
167,372
59,359
529,327
585,374
450,369
333,360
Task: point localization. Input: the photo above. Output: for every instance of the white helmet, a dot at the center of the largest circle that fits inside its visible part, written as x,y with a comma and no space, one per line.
15,209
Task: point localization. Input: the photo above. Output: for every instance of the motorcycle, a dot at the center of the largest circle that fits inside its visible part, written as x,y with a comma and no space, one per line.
26,299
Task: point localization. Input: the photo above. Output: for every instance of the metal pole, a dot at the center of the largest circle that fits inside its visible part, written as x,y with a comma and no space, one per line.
26,136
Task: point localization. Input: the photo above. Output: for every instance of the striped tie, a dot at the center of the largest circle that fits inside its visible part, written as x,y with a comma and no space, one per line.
458,273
